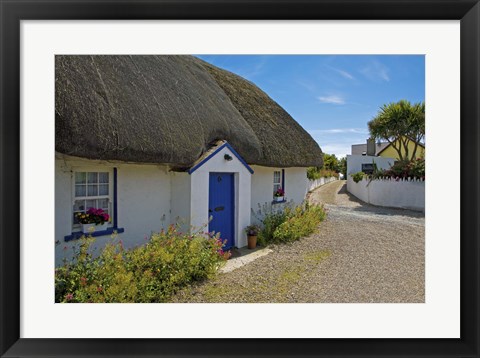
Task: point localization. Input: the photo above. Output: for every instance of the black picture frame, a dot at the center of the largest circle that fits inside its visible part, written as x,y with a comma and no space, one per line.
12,12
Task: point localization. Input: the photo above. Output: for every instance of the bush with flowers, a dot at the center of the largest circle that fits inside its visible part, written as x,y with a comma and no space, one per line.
289,223
404,169
279,192
149,273
93,216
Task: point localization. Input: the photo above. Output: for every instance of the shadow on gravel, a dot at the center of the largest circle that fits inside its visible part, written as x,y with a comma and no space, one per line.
369,208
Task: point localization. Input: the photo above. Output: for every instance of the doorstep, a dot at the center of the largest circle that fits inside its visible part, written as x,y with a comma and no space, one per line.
243,256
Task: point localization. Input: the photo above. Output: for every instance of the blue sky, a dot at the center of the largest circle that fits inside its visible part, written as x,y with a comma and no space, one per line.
332,96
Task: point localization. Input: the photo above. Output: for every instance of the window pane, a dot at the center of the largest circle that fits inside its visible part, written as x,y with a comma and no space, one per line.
276,177
276,187
92,190
103,204
103,177
90,204
103,189
79,205
80,190
80,177
92,178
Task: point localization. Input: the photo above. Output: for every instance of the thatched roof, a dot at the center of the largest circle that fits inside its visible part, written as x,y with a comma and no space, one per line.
170,109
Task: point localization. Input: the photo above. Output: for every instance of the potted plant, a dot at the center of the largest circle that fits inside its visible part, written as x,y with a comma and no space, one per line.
279,195
93,220
252,233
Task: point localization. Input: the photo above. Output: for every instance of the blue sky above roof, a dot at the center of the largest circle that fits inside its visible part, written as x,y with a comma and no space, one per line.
332,96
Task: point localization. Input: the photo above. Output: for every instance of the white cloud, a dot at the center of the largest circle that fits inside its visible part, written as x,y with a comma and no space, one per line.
339,141
253,70
376,71
332,99
345,74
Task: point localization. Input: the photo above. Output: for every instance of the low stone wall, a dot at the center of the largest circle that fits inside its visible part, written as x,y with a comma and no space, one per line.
405,194
313,184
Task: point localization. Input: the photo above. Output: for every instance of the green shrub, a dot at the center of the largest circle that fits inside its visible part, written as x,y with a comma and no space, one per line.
148,273
314,173
357,177
404,169
302,221
270,223
290,224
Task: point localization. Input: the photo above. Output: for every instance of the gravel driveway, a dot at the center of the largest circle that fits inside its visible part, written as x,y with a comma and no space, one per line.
360,253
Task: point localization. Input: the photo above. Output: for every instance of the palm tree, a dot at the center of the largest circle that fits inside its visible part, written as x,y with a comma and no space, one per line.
399,123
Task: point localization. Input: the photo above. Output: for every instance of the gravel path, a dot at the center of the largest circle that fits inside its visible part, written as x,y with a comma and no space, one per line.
360,253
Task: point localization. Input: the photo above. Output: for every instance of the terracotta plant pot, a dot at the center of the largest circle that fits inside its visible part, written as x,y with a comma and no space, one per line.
252,241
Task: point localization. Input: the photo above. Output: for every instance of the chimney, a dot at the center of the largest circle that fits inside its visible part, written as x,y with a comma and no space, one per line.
371,146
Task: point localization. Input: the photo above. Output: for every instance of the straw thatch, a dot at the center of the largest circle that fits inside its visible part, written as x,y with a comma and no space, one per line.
169,109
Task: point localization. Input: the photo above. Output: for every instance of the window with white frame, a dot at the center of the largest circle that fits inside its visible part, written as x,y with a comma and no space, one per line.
277,181
91,190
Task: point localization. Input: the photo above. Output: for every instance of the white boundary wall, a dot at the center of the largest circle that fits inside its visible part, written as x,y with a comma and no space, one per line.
313,184
403,194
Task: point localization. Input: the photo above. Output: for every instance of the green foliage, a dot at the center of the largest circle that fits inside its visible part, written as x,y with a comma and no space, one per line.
270,223
302,221
148,273
406,169
330,168
291,223
400,121
357,177
330,162
314,173
252,230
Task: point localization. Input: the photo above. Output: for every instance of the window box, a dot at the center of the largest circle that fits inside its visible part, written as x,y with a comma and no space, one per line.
108,231
88,228
278,199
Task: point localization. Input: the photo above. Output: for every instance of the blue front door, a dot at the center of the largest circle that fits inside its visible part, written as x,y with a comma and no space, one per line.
220,206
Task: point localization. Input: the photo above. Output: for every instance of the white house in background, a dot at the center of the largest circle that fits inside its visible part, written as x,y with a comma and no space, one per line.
156,140
365,163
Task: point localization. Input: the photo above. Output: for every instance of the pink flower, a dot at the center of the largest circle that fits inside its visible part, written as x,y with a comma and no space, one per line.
69,296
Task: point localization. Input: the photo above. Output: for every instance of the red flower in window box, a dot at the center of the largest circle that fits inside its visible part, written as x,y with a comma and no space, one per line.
93,216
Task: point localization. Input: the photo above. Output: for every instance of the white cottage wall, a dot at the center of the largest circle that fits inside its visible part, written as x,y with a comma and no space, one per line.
63,202
296,185
200,192
180,201
262,186
143,202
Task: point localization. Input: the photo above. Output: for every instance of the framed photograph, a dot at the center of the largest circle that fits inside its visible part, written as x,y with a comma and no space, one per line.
115,146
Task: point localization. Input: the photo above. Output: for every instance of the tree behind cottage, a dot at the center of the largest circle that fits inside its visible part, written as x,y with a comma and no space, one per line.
400,124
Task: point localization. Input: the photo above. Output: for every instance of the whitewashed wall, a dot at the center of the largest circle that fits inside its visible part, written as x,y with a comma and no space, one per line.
390,193
313,184
296,188
150,197
200,193
143,201
296,184
180,202
354,162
